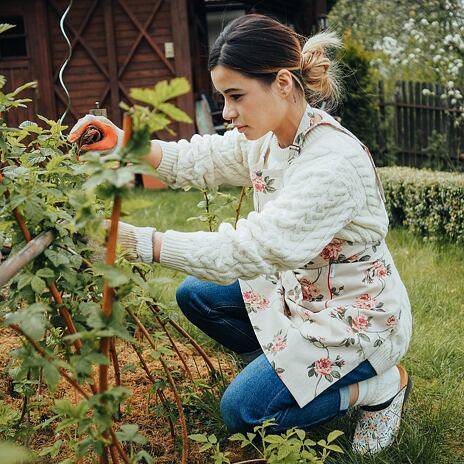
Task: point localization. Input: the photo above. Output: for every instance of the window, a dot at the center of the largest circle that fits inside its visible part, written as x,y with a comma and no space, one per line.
13,41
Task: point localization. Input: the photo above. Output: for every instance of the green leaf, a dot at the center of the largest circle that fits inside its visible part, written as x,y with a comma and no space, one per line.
334,435
161,92
237,437
115,275
251,436
129,433
24,279
199,437
335,448
273,439
38,285
12,454
145,456
52,450
46,273
5,27
51,375
32,320
174,113
56,258
205,447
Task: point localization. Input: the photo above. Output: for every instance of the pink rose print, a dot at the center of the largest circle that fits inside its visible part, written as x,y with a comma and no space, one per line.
332,250
392,322
262,184
280,343
380,269
309,289
258,184
364,301
256,302
323,366
307,315
360,323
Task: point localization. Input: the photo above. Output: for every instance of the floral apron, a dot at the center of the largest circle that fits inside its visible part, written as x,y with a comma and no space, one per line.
346,305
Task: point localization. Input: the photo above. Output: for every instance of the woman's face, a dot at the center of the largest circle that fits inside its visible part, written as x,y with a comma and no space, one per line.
254,108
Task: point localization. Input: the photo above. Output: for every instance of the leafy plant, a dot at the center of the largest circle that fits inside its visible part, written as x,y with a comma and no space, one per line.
68,333
291,447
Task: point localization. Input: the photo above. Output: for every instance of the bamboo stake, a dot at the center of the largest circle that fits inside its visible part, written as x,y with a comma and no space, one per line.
10,267
182,421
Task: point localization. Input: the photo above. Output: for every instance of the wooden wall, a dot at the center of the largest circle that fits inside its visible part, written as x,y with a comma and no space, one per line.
117,44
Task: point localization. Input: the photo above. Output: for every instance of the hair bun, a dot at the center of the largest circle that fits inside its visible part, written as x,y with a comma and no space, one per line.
318,70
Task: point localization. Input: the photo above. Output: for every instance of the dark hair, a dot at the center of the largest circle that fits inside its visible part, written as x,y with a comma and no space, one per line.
259,47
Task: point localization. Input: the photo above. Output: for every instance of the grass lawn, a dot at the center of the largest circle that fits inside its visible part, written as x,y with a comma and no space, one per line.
433,427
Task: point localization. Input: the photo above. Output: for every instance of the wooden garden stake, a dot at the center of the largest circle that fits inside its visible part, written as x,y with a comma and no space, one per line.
108,292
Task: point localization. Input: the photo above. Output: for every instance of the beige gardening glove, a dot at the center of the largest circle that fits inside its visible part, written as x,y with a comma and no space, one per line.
96,133
135,243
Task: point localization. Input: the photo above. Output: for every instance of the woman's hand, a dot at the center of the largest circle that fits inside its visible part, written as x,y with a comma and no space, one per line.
96,133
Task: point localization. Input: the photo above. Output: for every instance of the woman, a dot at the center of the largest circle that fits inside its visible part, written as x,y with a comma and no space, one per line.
305,287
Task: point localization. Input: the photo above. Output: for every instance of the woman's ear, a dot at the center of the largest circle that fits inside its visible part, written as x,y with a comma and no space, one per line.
284,82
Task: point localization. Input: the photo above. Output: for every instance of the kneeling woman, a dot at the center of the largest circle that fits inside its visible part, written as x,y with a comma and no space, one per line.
304,288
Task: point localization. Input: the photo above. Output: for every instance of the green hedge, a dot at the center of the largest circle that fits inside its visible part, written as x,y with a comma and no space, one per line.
430,203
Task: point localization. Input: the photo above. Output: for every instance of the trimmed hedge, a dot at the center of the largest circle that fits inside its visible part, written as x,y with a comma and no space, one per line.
429,203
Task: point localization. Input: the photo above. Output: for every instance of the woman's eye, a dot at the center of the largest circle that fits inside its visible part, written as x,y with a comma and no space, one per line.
236,97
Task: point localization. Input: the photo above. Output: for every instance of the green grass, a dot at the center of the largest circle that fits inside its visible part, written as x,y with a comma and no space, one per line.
433,424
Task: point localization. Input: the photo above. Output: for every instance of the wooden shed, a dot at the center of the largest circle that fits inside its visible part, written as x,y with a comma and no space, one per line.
119,44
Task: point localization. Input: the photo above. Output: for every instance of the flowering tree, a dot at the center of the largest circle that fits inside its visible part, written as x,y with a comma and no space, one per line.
419,40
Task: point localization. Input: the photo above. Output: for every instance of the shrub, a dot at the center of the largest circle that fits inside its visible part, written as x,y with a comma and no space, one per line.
429,203
359,109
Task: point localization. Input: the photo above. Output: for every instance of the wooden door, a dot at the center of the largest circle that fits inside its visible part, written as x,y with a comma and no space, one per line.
116,45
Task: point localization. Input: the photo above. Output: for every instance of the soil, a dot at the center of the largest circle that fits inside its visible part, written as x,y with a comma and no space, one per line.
138,409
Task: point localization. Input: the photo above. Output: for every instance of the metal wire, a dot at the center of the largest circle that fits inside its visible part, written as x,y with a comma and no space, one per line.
66,61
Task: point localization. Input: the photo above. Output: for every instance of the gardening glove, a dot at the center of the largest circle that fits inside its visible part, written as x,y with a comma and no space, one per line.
96,133
136,243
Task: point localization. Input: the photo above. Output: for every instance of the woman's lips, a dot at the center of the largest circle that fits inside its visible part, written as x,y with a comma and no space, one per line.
241,128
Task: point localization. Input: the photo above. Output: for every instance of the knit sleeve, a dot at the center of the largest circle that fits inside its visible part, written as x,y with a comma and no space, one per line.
206,161
319,198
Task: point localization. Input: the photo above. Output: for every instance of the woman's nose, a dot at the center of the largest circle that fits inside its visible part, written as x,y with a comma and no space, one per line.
229,112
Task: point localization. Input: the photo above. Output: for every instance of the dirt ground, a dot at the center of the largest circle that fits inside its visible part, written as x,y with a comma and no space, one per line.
137,409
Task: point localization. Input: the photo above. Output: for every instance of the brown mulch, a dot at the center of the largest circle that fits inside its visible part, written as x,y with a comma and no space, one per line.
136,410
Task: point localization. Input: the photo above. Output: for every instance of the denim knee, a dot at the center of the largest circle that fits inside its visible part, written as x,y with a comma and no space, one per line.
232,413
186,294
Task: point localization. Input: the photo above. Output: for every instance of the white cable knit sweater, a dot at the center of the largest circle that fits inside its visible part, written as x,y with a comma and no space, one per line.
329,191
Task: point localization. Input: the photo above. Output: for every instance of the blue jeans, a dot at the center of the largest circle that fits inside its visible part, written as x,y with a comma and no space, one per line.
257,393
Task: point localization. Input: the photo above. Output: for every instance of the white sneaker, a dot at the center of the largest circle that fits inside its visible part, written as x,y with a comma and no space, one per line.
378,425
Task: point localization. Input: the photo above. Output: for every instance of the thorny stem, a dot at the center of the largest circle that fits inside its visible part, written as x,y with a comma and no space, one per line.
72,382
154,309
210,219
158,391
239,206
176,349
182,421
117,370
53,288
